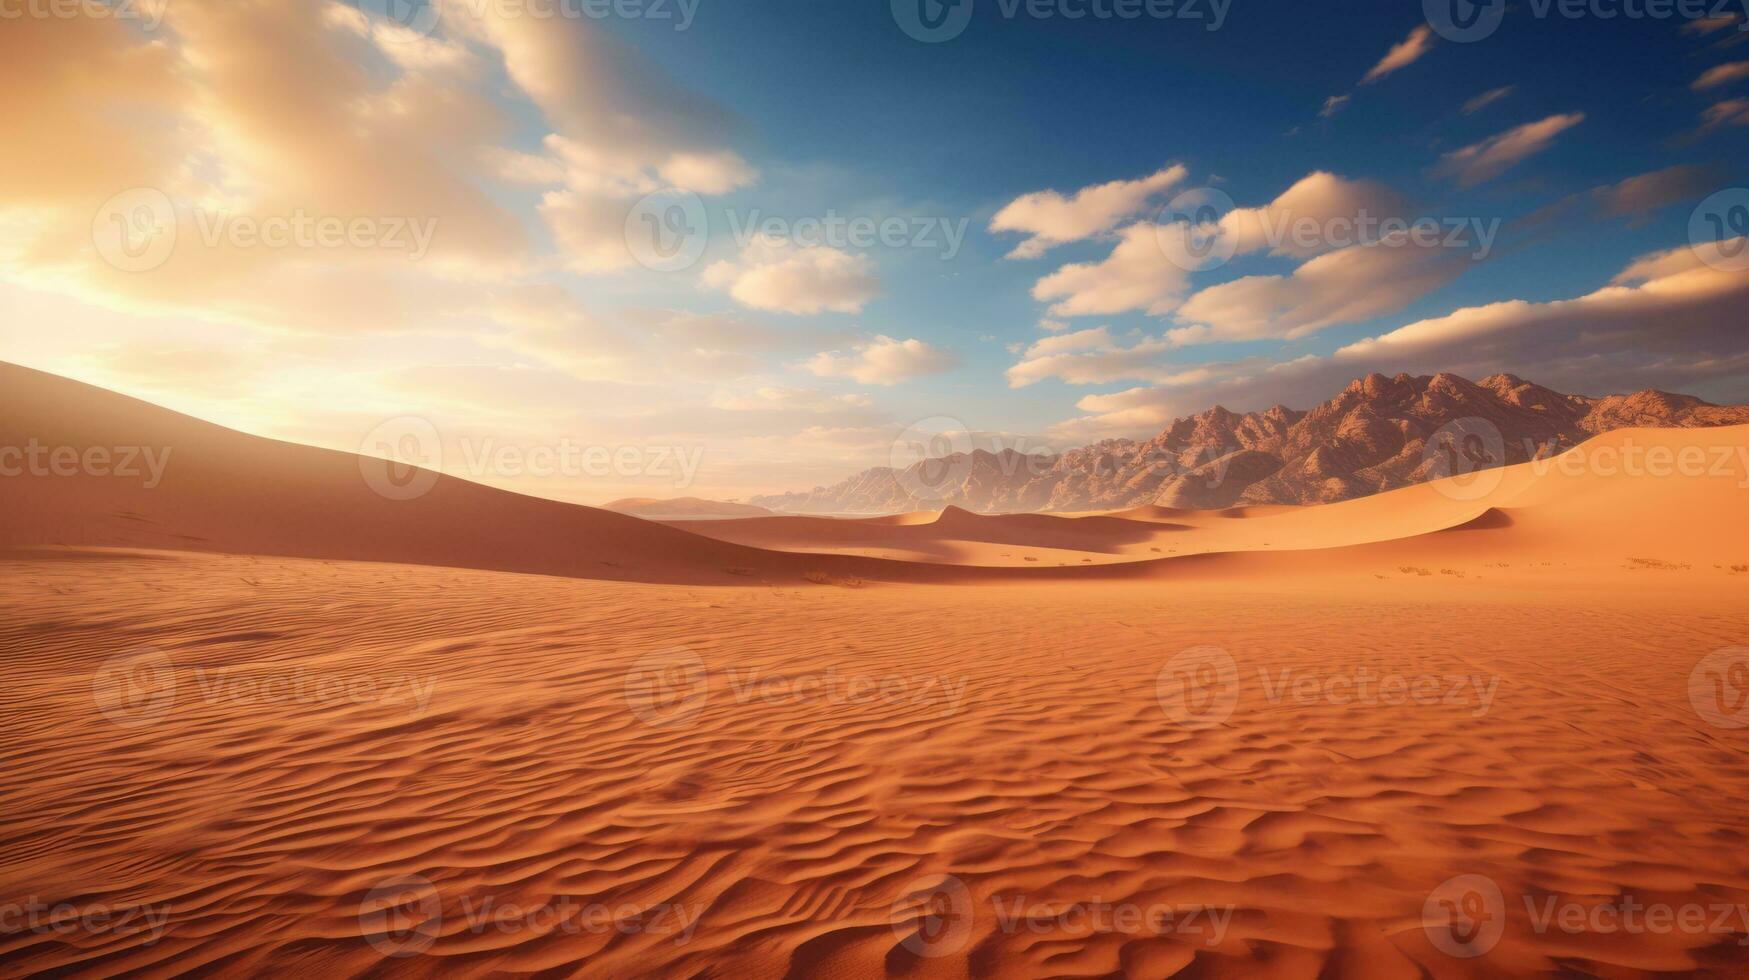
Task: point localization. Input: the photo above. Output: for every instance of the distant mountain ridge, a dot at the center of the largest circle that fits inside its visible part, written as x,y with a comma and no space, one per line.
1372,437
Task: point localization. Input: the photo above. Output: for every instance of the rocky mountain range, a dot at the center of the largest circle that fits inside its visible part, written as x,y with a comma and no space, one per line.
1378,434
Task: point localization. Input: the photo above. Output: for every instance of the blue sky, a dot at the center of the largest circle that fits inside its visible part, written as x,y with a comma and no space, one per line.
528,142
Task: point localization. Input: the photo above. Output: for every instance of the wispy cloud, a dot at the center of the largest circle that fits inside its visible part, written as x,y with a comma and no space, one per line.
1721,75
883,361
1052,219
1494,156
1402,54
774,274
1487,99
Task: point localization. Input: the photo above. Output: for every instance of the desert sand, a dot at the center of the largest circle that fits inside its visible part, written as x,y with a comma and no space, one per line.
265,719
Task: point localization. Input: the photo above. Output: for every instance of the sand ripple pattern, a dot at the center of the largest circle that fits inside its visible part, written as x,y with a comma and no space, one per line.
767,777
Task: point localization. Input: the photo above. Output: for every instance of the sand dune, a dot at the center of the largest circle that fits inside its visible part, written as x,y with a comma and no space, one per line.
831,765
227,492
1587,509
261,719
683,508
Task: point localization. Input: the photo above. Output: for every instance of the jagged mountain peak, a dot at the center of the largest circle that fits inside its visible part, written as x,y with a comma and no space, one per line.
1369,438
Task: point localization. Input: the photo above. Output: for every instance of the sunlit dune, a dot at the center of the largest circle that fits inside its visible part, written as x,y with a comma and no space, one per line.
295,725
918,489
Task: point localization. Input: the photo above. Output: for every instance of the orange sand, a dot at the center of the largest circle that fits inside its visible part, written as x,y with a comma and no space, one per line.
253,720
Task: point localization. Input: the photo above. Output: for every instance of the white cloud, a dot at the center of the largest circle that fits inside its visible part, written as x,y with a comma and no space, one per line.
1346,286
1711,24
1672,301
1333,105
775,398
1052,219
883,361
590,229
774,274
1718,75
707,173
1487,98
1314,201
1137,275
1494,156
1642,194
1140,274
1402,54
1731,112
1095,357
1669,320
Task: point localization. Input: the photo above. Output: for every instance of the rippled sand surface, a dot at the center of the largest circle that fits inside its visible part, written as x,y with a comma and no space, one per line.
348,769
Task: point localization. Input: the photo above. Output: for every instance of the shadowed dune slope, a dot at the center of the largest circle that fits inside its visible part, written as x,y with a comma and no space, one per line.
226,491
1666,495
